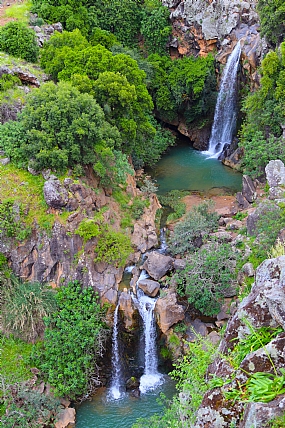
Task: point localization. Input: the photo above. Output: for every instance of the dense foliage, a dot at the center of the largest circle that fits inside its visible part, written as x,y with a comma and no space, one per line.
272,16
264,110
189,233
208,275
183,86
128,20
61,128
20,41
25,304
78,330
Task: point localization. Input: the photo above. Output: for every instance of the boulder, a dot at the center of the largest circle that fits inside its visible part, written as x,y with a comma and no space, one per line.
65,418
248,189
256,414
55,194
157,265
275,173
179,264
242,202
128,310
149,287
248,269
4,161
168,312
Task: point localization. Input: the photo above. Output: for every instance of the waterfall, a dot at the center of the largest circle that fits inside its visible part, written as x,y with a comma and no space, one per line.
145,304
225,111
115,390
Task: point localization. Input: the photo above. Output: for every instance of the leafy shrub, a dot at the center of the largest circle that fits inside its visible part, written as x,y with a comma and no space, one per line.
18,40
90,228
113,248
103,37
11,224
272,17
173,200
196,224
207,277
25,304
79,331
8,81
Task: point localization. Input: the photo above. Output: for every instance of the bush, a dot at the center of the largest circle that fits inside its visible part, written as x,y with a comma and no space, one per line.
18,40
189,233
113,248
79,332
208,275
25,304
11,223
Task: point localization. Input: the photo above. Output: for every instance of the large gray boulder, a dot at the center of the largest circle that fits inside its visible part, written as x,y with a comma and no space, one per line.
149,287
260,211
157,265
275,173
55,194
248,189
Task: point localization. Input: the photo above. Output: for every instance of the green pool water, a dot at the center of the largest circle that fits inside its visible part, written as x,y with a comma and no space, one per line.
122,413
184,168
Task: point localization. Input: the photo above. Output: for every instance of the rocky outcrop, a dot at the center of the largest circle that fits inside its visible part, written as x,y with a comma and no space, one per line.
275,175
45,32
254,217
128,310
157,265
65,418
149,287
263,307
168,312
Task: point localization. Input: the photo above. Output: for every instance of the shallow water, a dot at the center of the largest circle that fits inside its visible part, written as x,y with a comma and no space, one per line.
122,413
185,168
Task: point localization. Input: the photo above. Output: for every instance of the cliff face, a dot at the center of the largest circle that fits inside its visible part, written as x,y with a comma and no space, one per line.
60,255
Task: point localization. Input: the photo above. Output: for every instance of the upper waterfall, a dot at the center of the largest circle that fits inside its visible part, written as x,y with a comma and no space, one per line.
225,111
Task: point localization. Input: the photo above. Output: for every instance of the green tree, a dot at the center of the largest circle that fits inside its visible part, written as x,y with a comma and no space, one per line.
20,41
155,26
79,332
208,275
272,16
188,234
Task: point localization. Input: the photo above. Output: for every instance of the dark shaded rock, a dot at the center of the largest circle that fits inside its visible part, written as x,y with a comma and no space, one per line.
242,202
157,265
55,194
149,287
128,310
132,383
248,189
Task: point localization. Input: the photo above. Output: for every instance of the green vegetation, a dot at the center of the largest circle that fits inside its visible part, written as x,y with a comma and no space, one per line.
78,330
113,248
24,307
208,275
20,12
173,200
193,228
261,135
18,40
272,15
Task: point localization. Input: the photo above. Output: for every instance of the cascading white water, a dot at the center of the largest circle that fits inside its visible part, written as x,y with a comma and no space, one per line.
116,382
225,112
145,304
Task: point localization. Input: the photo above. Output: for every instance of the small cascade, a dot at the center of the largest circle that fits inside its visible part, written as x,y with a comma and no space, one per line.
116,383
225,112
163,244
145,304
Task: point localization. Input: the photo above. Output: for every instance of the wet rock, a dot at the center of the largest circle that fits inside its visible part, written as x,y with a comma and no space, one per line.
128,310
168,312
55,194
149,287
157,265
132,383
